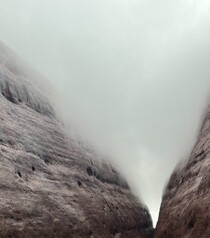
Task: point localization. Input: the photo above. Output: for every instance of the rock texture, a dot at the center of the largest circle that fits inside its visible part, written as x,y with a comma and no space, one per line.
50,185
185,209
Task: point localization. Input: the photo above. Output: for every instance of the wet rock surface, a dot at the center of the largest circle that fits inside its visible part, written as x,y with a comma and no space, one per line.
50,185
185,209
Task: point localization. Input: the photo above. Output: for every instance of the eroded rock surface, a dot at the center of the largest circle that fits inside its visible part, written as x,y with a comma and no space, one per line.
185,209
50,185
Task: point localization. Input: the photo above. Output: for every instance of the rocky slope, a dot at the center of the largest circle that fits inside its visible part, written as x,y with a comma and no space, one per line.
185,209
50,185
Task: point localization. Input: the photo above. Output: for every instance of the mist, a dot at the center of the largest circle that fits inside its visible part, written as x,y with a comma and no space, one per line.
132,76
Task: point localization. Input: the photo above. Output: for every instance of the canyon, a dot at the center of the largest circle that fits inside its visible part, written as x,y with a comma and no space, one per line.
54,185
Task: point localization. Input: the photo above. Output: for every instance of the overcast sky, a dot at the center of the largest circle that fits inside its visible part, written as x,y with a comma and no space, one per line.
135,75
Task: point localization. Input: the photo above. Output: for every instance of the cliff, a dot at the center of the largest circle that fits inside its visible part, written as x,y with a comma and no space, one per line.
186,202
50,185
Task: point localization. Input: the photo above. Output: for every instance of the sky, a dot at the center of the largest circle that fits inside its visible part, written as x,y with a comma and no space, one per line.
133,76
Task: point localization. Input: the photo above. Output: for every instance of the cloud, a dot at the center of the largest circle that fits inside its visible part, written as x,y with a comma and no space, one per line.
134,75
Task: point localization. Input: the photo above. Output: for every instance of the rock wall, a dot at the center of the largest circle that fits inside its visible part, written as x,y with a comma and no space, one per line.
185,209
50,185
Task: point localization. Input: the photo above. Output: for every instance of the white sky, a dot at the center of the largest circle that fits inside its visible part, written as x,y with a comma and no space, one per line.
135,75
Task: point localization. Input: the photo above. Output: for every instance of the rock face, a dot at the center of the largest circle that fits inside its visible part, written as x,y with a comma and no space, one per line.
50,185
185,209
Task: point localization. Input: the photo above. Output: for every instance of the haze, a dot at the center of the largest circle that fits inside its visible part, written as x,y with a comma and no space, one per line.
134,76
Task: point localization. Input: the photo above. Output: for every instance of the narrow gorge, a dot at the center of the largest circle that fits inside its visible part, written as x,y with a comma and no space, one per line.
53,185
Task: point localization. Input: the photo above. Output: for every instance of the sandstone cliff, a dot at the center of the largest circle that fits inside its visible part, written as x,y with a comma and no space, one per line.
185,207
50,185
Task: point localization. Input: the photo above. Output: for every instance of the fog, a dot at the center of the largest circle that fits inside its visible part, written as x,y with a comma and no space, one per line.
134,76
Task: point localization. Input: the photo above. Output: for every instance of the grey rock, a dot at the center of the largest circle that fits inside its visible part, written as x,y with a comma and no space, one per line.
51,185
185,209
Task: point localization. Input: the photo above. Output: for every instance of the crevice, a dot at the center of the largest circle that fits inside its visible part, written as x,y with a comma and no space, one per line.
19,174
89,171
192,222
114,231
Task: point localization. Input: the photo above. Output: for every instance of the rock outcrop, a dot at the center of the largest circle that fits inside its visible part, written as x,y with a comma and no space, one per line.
50,185
185,209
